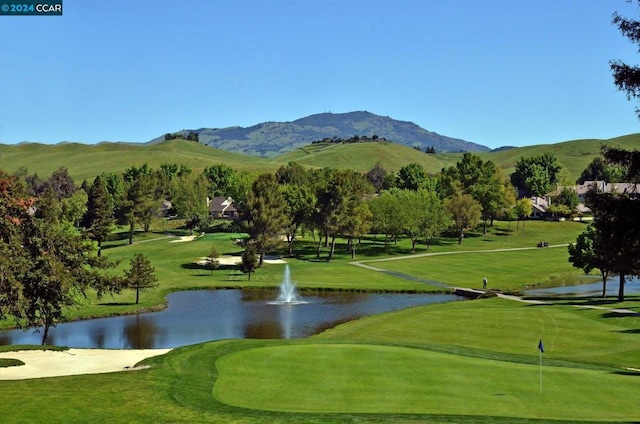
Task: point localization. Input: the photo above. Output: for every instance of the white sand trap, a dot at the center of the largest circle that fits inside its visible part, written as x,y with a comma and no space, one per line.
184,239
237,260
49,363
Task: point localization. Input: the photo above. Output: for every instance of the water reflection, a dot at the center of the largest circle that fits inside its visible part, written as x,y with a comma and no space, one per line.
594,289
202,315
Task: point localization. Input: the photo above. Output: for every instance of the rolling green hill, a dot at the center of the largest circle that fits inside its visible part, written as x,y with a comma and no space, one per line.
364,156
87,161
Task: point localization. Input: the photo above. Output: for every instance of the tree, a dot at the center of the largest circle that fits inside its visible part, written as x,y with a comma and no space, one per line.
212,261
484,181
141,275
566,202
292,173
384,209
189,200
615,219
46,265
465,212
411,176
139,203
99,219
523,210
264,214
600,170
627,77
75,207
337,202
588,253
249,260
357,224
300,201
61,183
219,177
536,175
377,177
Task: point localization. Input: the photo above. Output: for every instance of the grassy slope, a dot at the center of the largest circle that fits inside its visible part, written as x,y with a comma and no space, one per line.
363,157
86,161
573,156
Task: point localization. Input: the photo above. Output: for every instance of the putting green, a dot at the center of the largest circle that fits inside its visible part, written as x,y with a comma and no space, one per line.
353,378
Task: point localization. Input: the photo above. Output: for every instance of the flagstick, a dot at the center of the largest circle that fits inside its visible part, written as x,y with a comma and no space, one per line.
540,371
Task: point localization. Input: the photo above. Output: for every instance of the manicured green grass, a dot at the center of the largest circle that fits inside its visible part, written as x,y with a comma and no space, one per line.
464,362
509,271
348,378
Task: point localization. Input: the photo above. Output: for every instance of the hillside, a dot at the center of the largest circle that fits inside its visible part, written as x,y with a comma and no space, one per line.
87,161
364,156
270,139
573,156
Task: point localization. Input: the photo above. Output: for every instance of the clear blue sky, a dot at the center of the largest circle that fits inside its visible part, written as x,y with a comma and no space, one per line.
494,72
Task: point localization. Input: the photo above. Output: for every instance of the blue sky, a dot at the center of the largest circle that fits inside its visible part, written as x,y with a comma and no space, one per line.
494,72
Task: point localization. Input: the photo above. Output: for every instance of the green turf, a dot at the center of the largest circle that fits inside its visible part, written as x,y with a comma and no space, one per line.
384,379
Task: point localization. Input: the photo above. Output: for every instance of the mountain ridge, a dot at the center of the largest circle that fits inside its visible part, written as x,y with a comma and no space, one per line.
272,138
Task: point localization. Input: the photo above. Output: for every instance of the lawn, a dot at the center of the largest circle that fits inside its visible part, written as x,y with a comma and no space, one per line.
465,362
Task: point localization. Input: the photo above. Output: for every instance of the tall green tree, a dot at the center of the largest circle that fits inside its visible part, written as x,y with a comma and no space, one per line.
249,260
411,177
589,252
465,212
300,201
385,210
264,214
522,210
189,200
47,265
536,175
140,203
141,275
483,180
99,219
599,170
377,176
615,219
627,77
337,201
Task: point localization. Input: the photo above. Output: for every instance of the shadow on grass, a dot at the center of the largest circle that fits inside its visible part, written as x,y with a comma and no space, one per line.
196,267
633,331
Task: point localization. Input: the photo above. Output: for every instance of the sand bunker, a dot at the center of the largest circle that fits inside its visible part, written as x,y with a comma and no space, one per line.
49,363
237,260
183,239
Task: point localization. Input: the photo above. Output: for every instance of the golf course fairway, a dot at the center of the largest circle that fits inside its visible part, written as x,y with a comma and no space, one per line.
349,378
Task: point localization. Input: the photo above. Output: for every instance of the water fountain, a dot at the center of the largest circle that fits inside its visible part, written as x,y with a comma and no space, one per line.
288,294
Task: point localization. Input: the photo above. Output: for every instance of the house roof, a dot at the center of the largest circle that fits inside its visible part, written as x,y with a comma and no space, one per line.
222,204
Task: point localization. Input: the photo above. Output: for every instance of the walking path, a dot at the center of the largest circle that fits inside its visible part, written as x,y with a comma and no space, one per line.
478,292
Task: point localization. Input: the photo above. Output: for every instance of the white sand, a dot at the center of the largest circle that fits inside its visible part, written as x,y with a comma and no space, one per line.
184,239
49,363
236,260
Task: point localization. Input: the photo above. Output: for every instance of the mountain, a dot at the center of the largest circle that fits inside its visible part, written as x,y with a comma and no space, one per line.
271,139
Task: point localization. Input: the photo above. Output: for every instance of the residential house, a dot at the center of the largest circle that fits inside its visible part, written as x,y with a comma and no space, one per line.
222,208
540,204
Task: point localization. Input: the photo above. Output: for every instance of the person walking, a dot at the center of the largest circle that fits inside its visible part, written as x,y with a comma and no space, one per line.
484,283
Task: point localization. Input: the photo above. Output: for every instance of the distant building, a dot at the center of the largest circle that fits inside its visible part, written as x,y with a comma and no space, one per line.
222,208
540,204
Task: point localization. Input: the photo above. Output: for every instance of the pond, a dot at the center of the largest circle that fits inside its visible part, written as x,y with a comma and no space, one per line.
594,288
203,315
